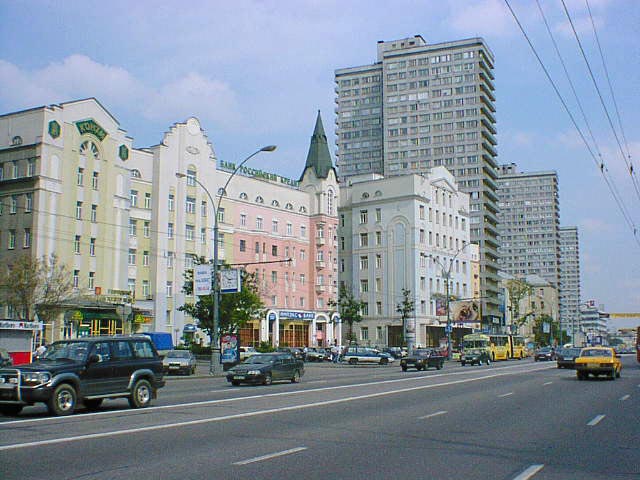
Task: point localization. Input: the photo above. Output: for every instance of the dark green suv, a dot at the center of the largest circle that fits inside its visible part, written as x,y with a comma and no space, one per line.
84,370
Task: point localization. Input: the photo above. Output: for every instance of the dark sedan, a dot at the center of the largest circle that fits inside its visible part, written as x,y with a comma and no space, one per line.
422,359
267,368
545,354
566,357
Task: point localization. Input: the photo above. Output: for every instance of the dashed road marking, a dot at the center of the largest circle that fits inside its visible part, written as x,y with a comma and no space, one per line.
547,383
625,397
270,456
505,394
435,414
596,420
529,472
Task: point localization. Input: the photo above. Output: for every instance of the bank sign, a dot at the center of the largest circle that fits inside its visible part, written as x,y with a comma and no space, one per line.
296,315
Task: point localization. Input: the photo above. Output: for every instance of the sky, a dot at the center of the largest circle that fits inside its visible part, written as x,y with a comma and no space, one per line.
255,73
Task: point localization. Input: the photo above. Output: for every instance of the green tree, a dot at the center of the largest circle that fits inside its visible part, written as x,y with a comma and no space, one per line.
32,285
518,289
349,309
235,309
405,308
544,338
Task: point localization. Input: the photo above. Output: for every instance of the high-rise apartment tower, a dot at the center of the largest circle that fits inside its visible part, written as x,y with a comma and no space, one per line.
569,279
421,106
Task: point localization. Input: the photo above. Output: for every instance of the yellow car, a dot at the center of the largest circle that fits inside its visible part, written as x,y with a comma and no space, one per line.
598,361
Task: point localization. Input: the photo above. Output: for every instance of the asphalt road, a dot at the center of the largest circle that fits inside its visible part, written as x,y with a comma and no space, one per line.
511,420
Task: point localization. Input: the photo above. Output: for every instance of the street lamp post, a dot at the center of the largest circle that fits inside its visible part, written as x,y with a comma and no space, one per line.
446,274
215,287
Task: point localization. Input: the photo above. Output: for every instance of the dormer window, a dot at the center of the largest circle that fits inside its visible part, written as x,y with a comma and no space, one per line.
259,199
17,140
243,196
275,203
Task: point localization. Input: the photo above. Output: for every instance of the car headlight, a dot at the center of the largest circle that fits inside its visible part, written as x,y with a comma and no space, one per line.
36,377
254,372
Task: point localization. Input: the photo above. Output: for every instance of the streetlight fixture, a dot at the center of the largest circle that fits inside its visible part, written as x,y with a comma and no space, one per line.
446,274
215,347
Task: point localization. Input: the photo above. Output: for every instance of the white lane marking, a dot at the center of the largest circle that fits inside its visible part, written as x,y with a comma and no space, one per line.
435,414
202,421
505,394
144,411
270,456
529,472
596,420
625,397
547,383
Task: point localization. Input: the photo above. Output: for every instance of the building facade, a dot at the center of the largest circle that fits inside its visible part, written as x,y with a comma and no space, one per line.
127,227
529,223
421,106
410,233
569,279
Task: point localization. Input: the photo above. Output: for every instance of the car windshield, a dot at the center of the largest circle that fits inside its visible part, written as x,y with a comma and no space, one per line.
76,351
593,352
261,359
179,354
422,353
475,344
544,350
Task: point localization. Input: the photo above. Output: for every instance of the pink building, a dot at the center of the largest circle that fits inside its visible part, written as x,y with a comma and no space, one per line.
264,221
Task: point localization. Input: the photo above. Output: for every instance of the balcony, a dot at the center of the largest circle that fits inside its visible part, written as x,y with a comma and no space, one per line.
487,80
488,103
320,241
489,148
486,134
486,68
321,288
320,264
488,114
489,126
488,92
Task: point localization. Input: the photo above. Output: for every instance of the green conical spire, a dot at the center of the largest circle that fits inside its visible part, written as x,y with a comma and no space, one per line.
319,157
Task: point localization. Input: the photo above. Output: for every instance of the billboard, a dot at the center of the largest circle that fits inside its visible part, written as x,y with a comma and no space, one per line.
465,311
441,307
202,279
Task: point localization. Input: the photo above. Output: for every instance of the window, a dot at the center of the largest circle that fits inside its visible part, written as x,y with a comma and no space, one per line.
274,226
190,206
170,259
189,231
258,223
131,285
364,263
170,230
378,260
28,204
76,278
76,245
147,201
78,210
289,229
146,229
169,289
31,167
145,258
94,213
378,238
16,171
171,204
364,239
92,280
221,215
364,286
191,178
132,256
302,278
92,247
274,277
243,219
203,208
94,181
12,239
133,227
80,176
243,245
364,215
274,250
379,312
303,231
364,333
27,238
145,291
378,214
203,236
134,198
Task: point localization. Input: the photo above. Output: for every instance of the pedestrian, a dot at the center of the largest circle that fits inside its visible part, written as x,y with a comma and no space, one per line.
41,350
335,352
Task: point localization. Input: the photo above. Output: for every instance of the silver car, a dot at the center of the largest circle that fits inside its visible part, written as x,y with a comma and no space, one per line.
179,362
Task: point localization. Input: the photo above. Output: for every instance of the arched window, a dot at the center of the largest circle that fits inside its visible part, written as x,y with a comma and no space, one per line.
303,210
330,196
259,199
288,206
365,195
89,148
135,173
221,192
275,203
243,196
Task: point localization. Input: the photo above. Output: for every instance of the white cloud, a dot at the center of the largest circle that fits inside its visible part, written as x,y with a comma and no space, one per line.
492,16
78,76
594,225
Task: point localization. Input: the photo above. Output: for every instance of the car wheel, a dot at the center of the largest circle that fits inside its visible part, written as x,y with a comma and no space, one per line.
579,376
193,371
353,361
63,400
235,383
296,377
619,372
268,380
384,361
439,366
404,368
612,375
93,404
535,359
141,394
10,410
463,363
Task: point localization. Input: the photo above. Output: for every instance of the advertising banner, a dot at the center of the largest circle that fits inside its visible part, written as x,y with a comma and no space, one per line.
229,352
465,311
202,279
230,281
441,307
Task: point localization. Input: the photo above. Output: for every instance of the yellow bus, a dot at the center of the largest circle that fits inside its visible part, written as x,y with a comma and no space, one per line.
517,347
500,347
